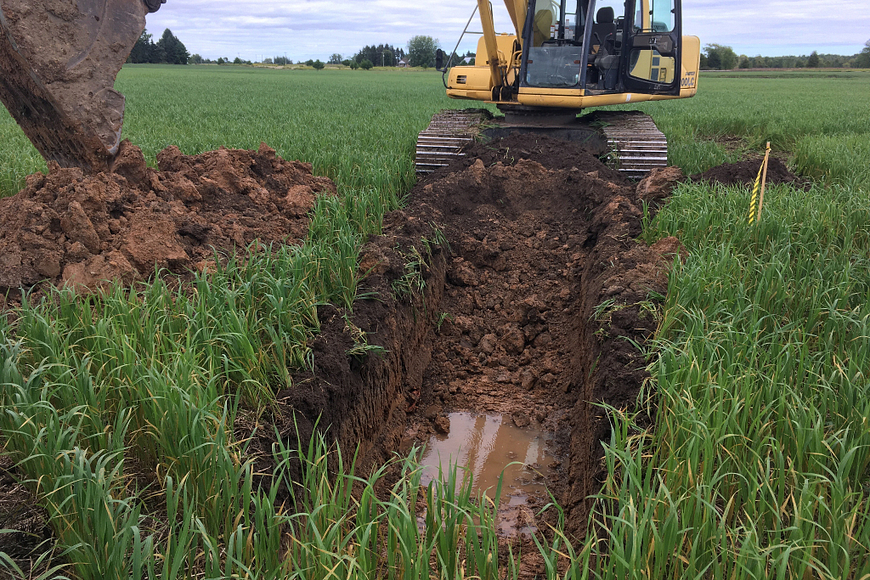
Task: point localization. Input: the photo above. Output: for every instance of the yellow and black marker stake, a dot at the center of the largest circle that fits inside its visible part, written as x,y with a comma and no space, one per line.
758,199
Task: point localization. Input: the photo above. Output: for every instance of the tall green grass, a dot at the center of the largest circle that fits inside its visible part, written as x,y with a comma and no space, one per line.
356,127
756,466
18,158
120,408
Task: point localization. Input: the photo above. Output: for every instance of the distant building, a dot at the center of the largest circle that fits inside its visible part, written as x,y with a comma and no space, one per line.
404,63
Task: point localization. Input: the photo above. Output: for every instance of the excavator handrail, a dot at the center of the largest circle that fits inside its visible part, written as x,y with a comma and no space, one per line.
461,36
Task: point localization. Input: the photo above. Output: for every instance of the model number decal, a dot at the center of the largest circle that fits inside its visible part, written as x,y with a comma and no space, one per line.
688,81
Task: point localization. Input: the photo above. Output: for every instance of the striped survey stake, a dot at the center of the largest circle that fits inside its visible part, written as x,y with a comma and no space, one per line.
758,198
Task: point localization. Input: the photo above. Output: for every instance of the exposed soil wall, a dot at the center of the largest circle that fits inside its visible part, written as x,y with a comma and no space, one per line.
533,313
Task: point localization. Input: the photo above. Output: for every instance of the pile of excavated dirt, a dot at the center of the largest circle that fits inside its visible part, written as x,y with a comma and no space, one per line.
746,172
85,230
549,152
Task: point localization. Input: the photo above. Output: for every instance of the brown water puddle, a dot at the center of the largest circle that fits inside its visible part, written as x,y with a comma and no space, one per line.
489,445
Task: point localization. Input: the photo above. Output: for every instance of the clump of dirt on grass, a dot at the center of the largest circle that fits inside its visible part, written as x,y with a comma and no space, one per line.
87,230
746,172
551,153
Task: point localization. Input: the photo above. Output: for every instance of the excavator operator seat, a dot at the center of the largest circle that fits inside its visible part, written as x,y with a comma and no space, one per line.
605,49
604,29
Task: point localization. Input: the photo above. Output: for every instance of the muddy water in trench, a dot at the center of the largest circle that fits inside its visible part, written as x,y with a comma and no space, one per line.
505,360
491,447
540,235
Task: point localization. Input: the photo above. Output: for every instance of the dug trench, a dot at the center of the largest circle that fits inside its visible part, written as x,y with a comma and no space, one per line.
511,294
507,299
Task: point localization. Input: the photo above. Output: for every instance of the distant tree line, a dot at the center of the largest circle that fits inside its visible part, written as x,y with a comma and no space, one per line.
168,50
380,55
421,53
719,57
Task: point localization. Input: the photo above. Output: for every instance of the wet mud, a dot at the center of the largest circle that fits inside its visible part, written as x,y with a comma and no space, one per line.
503,460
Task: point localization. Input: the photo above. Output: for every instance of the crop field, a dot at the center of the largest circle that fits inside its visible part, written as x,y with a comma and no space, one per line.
746,455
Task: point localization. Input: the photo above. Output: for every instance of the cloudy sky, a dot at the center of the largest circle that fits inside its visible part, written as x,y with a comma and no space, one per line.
254,29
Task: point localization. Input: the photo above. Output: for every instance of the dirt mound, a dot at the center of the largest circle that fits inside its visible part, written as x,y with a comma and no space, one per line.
746,172
66,227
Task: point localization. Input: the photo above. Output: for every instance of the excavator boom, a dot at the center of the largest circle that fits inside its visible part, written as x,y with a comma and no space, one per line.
58,63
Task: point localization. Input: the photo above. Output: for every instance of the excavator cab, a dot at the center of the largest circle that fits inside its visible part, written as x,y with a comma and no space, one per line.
565,56
573,54
602,47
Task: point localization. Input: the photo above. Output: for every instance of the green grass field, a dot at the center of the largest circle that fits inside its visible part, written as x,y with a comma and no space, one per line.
756,465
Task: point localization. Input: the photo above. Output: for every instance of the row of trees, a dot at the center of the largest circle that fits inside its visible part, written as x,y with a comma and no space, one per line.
421,53
717,56
167,50
380,55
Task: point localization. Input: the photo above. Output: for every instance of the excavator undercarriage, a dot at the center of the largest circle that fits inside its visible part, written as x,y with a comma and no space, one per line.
627,140
562,58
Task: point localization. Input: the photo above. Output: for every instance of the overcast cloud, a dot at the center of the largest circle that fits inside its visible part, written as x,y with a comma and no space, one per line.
255,29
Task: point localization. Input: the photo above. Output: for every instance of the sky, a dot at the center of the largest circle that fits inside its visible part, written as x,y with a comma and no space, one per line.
316,29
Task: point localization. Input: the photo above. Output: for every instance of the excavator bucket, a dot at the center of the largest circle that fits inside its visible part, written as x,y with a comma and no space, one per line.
58,63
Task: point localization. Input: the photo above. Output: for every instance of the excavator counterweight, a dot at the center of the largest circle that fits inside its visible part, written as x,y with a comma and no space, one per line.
58,63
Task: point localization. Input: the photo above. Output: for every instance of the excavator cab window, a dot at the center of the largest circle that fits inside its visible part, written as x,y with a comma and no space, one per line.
554,38
656,61
653,60
603,46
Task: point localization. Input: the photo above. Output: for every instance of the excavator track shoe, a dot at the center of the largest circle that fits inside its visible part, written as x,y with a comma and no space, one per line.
448,132
637,146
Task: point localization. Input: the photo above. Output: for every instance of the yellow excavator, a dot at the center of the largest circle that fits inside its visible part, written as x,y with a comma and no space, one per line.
564,56
59,60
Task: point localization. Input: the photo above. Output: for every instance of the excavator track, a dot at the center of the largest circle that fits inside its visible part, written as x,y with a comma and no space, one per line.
632,142
448,132
636,144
